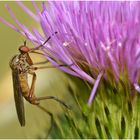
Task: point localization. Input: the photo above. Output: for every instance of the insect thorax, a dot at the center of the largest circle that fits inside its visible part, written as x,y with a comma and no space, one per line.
19,62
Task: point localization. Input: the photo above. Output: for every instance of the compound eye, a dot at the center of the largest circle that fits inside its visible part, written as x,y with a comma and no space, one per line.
24,49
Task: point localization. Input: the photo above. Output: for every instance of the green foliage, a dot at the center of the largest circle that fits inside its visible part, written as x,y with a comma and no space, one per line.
113,114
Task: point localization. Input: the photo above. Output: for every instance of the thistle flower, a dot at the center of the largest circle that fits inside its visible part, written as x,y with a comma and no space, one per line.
97,40
96,37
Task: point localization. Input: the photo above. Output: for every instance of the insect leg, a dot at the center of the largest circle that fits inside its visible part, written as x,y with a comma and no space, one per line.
44,67
53,98
35,100
37,52
43,62
32,99
51,116
31,91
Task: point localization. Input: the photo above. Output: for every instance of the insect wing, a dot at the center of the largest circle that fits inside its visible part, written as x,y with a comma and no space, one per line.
18,97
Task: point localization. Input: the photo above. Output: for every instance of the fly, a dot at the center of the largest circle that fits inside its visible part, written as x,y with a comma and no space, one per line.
21,66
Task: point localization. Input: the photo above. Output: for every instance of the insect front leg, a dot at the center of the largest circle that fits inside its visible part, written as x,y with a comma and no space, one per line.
51,66
42,62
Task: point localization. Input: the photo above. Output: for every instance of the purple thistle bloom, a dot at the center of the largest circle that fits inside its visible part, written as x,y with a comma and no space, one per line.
97,38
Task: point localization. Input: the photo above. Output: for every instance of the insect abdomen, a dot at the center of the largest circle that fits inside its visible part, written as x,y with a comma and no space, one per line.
24,84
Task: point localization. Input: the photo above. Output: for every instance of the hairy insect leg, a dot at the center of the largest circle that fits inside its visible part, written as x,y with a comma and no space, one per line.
32,99
53,98
51,117
36,52
45,67
42,62
35,100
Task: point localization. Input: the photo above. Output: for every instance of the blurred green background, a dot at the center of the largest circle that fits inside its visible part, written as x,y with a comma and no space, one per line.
48,81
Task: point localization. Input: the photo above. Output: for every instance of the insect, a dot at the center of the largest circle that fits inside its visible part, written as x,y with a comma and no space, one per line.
22,65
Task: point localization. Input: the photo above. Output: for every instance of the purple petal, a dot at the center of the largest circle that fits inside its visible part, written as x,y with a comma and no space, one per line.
9,24
28,11
137,87
95,88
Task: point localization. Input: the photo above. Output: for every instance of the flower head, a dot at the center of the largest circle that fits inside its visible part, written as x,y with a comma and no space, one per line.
99,39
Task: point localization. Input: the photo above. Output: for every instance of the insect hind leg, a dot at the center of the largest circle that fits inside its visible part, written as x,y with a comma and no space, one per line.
52,98
51,117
